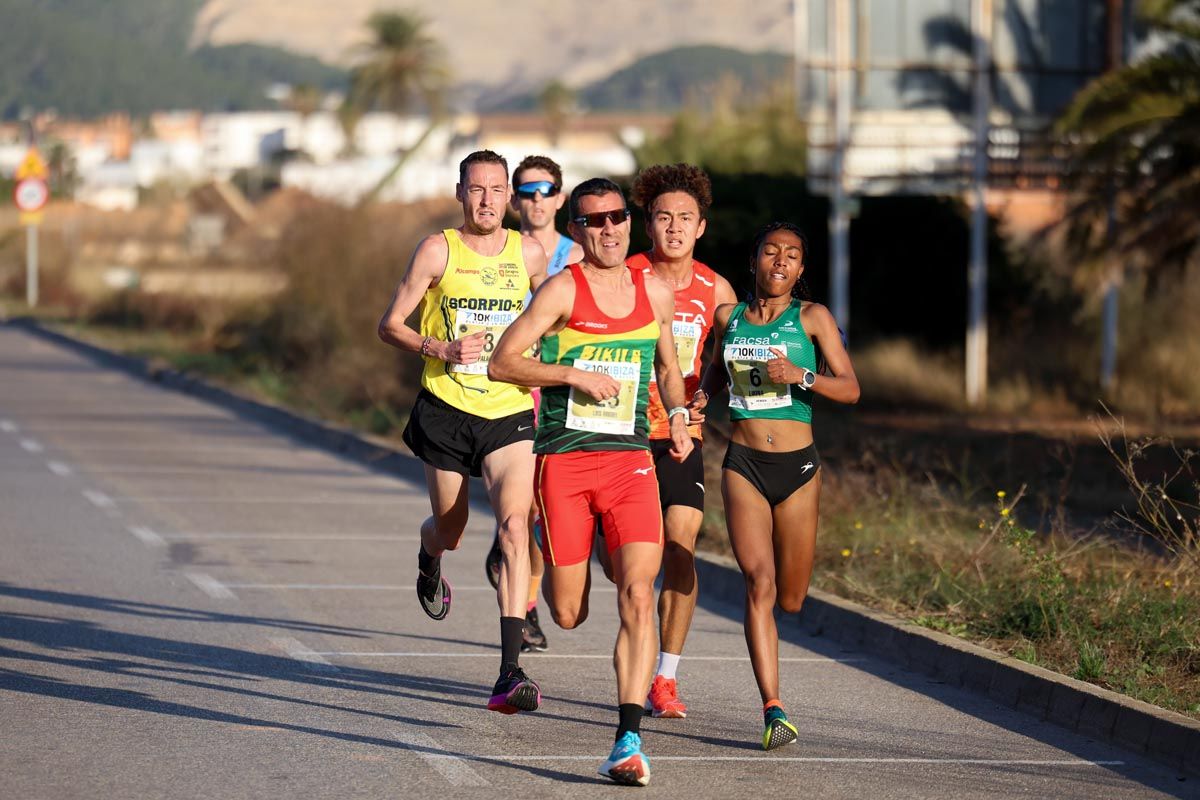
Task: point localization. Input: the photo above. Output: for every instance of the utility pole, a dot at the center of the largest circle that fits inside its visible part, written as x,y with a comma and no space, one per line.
839,218
1115,277
977,270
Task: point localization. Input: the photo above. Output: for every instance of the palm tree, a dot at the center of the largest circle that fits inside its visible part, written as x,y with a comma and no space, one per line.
1135,153
305,100
557,102
399,68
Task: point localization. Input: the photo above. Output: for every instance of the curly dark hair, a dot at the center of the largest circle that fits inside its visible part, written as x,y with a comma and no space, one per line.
538,162
652,182
800,289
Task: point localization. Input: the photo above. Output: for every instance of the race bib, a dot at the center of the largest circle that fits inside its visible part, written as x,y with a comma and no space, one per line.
614,415
492,323
687,339
750,389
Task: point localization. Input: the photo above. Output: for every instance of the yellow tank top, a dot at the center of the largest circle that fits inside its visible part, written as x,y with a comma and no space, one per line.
476,293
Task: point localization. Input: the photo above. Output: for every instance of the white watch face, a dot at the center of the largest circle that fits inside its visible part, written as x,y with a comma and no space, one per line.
810,377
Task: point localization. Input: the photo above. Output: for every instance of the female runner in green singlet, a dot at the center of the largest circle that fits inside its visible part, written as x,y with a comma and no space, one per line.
771,478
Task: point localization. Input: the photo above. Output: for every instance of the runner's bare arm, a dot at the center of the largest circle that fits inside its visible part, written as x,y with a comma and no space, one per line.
716,376
666,366
535,261
726,298
820,325
426,268
547,313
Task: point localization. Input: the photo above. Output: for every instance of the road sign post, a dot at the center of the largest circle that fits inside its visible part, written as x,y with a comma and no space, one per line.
31,195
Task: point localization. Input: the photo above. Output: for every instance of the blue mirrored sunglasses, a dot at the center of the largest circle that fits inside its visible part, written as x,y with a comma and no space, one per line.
528,190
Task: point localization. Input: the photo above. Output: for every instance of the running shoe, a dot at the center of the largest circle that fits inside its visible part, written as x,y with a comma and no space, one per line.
433,592
491,564
663,700
627,763
778,730
534,638
514,691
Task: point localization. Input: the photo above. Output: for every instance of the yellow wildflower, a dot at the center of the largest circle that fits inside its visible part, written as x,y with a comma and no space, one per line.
845,552
1002,494
858,526
1004,512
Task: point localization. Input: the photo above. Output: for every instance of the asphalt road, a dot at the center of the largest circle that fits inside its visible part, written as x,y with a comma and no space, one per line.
193,605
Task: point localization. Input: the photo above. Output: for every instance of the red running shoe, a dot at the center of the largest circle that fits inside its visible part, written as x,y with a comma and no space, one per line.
663,700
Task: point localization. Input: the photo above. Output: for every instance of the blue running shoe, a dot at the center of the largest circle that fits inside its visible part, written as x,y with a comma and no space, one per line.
778,730
627,763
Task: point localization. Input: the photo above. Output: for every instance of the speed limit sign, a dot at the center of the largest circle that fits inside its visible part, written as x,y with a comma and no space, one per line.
31,194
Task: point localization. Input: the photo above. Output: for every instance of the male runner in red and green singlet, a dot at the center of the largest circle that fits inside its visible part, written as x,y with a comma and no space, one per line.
603,329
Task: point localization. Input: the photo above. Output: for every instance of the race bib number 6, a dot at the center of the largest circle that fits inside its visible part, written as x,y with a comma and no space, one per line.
492,323
750,388
614,415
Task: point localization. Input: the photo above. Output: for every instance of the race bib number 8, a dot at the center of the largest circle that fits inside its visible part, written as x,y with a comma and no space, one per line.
614,415
750,389
492,323
687,339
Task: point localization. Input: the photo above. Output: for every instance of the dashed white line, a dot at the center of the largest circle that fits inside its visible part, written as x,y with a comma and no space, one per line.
58,468
300,537
987,762
450,766
210,586
99,499
298,651
540,656
8,426
390,501
31,446
147,536
373,587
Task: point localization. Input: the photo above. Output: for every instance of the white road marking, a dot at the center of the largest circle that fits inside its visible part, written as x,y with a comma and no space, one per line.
301,537
450,766
298,651
99,499
188,446
768,759
324,500
539,656
210,586
31,446
373,587
8,426
147,536
58,468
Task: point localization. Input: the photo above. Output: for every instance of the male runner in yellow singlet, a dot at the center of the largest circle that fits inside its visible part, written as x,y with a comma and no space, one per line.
537,197
471,283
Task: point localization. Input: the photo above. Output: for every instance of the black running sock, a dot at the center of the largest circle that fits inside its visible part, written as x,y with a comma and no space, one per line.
512,633
425,562
631,718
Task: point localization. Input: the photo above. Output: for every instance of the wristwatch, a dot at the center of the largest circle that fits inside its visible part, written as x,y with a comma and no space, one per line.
808,379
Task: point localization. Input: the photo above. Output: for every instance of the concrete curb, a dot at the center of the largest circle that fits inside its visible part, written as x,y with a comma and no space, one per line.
1164,736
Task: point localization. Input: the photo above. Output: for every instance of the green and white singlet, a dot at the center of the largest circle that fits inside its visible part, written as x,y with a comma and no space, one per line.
747,347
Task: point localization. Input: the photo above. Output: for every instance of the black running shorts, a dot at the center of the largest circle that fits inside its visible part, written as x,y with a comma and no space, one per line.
446,438
776,476
679,484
